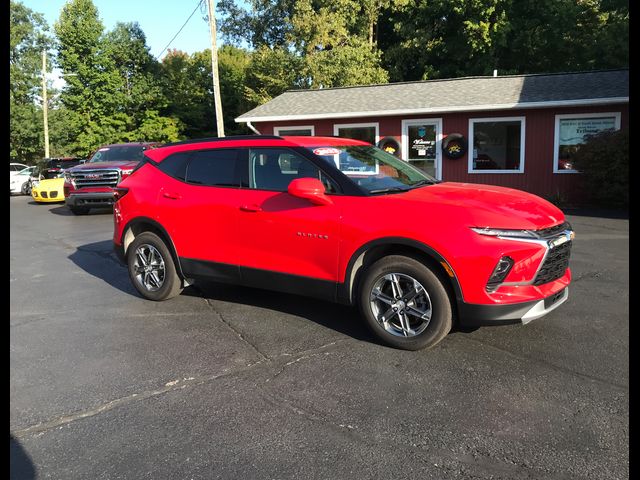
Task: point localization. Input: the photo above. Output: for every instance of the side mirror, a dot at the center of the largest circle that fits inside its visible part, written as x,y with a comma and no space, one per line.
310,188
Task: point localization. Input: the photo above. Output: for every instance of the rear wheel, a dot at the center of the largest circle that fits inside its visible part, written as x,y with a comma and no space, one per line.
79,210
151,268
405,303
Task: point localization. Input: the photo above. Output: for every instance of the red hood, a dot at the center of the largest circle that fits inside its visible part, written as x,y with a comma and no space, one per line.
487,205
123,164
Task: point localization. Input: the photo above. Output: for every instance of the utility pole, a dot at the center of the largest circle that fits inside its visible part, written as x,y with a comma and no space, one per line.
45,107
214,69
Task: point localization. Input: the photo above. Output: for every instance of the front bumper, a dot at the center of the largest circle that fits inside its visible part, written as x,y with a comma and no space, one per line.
47,196
90,200
473,315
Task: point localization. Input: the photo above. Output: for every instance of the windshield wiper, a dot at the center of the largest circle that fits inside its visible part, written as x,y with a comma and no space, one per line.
421,183
390,190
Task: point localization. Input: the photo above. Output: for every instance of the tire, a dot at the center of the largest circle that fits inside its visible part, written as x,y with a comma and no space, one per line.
79,210
26,188
423,299
159,281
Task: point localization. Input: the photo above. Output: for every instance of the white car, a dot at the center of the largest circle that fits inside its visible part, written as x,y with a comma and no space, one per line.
15,168
20,182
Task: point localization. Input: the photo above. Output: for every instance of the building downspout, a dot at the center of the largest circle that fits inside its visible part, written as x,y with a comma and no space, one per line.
253,128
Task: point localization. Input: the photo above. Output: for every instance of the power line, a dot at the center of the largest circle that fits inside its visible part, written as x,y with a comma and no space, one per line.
183,25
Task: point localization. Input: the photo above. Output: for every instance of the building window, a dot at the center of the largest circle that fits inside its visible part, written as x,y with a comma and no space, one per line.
298,130
367,132
496,145
571,132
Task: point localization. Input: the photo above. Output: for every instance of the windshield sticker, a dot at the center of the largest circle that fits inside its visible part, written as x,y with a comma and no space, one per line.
323,151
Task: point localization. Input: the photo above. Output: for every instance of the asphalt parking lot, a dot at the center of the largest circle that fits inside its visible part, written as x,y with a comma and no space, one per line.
225,382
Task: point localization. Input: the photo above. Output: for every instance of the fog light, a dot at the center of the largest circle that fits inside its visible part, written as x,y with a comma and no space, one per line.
499,273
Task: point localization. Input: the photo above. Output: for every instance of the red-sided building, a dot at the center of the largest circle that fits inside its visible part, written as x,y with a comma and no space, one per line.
517,131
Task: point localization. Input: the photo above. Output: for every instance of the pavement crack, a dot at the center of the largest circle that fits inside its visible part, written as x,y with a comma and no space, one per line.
171,386
299,359
262,355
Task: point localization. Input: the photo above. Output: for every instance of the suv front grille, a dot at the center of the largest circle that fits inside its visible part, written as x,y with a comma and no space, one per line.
553,231
555,264
96,178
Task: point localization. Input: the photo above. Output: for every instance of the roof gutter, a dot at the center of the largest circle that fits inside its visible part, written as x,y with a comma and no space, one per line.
431,110
255,130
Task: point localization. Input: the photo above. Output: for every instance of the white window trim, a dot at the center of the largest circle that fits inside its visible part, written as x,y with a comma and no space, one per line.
276,130
556,136
522,121
405,140
376,125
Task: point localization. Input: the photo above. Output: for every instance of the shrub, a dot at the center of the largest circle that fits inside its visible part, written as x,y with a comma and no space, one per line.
604,162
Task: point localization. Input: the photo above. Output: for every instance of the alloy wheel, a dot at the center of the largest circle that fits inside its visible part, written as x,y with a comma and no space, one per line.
149,269
400,304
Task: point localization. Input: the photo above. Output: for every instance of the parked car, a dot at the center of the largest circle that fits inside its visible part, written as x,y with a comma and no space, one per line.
55,166
20,182
414,254
16,167
48,190
91,184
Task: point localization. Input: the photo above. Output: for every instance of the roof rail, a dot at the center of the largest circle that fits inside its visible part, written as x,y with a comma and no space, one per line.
222,139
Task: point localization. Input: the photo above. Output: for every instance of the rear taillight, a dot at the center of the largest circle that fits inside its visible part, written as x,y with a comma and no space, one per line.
119,192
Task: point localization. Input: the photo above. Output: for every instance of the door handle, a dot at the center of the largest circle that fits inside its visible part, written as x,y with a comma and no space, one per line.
251,208
172,196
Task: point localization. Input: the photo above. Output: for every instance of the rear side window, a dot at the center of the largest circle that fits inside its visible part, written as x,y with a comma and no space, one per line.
214,168
175,165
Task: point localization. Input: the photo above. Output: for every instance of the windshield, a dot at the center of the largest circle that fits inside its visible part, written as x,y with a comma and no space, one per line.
63,163
373,169
124,152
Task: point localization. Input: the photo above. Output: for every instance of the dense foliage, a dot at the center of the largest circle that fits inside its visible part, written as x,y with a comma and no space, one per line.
604,161
117,91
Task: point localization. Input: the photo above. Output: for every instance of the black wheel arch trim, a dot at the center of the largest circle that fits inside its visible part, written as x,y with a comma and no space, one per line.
345,289
172,248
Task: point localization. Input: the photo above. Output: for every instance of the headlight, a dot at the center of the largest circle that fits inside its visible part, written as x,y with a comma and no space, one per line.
35,183
497,232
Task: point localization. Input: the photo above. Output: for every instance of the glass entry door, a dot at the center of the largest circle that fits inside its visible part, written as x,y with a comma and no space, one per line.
421,139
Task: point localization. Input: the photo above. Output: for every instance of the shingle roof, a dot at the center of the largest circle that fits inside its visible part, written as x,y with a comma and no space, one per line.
457,94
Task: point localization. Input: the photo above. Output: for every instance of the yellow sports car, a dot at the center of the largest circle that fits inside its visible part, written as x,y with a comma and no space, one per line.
51,190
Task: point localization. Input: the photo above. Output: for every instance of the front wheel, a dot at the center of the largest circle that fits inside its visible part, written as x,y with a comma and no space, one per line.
405,303
151,268
26,188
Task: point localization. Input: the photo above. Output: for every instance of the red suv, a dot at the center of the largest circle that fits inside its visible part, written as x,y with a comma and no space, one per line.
341,220
91,185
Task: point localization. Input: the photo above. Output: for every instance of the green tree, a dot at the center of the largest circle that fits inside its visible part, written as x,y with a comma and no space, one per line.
27,40
606,186
564,35
331,43
91,94
233,63
113,94
442,38
186,83
270,73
